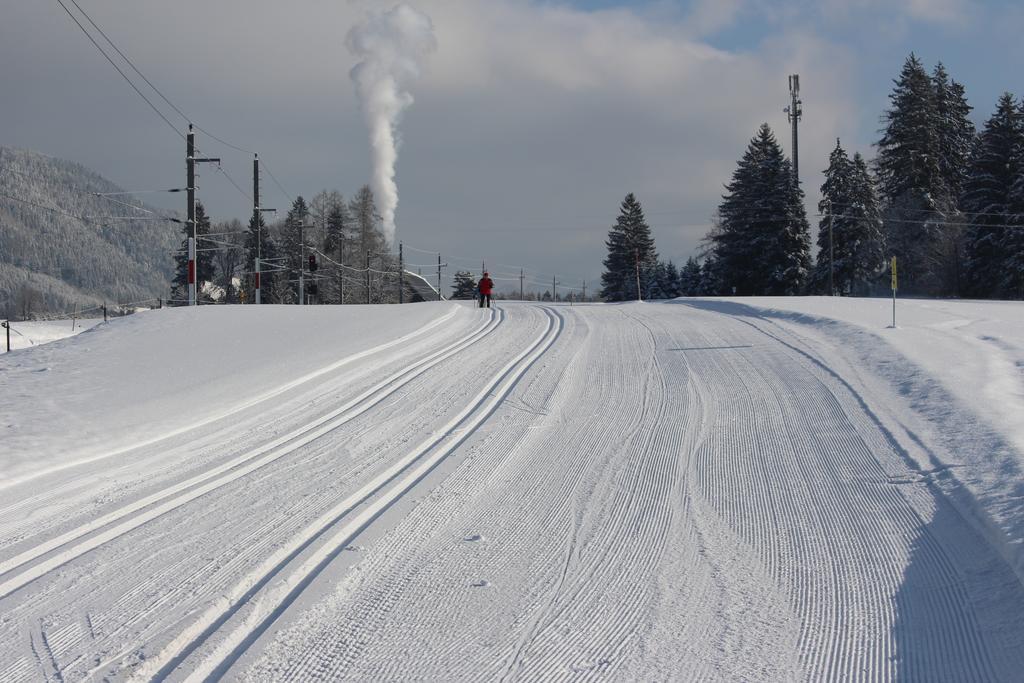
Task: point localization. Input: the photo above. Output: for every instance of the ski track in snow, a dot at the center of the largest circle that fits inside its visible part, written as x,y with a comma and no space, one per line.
643,492
157,504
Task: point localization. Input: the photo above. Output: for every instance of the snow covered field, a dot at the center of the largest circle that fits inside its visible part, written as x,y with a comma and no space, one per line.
749,489
38,332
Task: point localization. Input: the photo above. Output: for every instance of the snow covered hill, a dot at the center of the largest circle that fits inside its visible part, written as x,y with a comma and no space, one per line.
51,260
698,490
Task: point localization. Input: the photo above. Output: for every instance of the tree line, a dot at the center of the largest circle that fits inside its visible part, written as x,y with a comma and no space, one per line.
352,259
943,198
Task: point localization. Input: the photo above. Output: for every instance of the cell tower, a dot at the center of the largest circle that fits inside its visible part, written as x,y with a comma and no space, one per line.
794,112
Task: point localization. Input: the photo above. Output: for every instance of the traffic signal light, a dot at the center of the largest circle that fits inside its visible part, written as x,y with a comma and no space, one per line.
312,263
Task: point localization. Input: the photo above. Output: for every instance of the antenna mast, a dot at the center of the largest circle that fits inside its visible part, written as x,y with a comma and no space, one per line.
794,112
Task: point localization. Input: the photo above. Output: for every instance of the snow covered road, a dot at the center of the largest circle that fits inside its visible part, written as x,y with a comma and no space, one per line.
648,492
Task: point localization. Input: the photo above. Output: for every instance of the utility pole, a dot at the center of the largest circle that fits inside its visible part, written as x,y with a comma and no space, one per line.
439,276
7,326
831,252
256,221
639,296
521,296
794,112
257,214
401,274
554,288
190,189
302,260
367,276
584,291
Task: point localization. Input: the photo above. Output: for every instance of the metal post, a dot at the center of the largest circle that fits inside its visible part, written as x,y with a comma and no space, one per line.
401,274
302,260
256,216
190,189
831,253
105,311
7,326
794,113
341,262
639,297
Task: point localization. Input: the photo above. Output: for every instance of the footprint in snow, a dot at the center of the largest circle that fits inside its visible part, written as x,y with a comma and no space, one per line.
482,583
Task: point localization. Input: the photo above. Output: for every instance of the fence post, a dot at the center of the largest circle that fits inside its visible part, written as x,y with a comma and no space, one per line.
104,312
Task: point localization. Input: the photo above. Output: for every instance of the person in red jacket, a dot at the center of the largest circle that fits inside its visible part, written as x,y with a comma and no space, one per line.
485,286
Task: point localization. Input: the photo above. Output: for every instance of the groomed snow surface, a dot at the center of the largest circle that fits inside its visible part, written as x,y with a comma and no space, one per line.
704,489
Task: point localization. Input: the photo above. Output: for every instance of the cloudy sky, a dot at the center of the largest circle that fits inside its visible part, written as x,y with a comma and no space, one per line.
532,120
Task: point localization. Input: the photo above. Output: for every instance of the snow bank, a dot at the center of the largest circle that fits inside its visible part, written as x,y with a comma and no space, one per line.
36,333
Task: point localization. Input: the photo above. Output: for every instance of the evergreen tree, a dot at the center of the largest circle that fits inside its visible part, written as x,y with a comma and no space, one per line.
850,231
866,236
260,244
1013,272
463,286
292,238
987,199
1012,283
710,279
761,244
690,278
629,244
204,257
668,280
956,132
338,226
920,157
909,155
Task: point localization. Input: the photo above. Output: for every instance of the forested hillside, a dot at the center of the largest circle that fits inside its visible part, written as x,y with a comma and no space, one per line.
61,245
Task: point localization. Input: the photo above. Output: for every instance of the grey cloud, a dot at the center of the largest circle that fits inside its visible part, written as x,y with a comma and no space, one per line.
530,124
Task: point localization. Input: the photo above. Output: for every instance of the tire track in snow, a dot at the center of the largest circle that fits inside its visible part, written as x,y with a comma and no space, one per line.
60,549
261,606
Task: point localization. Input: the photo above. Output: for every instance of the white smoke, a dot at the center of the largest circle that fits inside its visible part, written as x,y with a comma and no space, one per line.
391,47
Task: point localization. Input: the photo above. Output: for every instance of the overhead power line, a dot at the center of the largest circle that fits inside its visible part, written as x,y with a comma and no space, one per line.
155,89
127,60
120,70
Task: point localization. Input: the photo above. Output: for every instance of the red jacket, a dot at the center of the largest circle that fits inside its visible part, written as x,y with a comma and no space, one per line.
486,285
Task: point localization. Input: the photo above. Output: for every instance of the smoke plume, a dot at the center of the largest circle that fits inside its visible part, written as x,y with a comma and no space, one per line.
391,47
